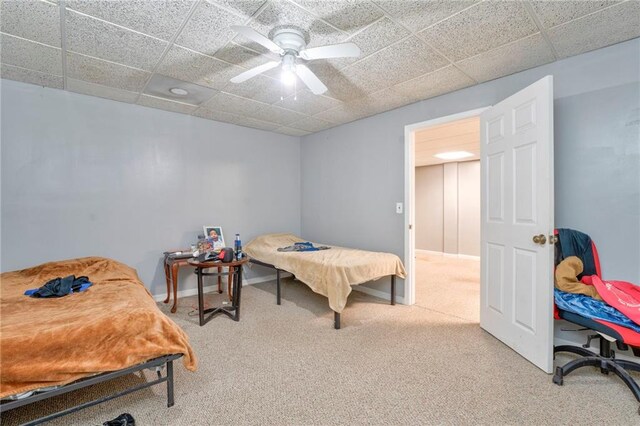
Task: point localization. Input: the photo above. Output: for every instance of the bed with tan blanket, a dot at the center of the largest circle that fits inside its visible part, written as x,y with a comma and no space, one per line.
113,325
331,272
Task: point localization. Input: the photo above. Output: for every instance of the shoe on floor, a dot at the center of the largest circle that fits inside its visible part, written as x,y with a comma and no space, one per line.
124,419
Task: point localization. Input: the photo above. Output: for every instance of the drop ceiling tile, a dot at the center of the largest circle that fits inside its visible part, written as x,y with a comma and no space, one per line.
420,14
248,108
381,34
338,84
226,117
105,73
347,15
307,103
348,111
259,88
385,100
609,26
209,28
311,124
402,61
29,76
523,54
157,18
100,91
273,114
552,13
281,12
102,40
433,84
30,55
256,124
290,131
487,25
241,56
154,102
243,7
187,65
216,115
34,20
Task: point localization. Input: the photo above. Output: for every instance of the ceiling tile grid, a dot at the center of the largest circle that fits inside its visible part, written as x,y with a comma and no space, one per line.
482,27
36,21
32,77
411,50
86,88
100,39
31,55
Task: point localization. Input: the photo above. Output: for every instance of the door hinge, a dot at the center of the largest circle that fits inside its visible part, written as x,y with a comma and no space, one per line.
410,226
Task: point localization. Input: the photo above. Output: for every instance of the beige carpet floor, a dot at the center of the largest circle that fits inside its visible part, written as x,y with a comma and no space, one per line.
448,285
286,365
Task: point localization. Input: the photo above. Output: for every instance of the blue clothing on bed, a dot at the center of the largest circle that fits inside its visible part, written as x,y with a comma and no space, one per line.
592,308
60,287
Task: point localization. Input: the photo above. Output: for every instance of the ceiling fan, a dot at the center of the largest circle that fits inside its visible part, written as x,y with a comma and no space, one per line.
289,51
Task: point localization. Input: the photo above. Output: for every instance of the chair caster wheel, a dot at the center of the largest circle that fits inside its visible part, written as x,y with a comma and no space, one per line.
558,380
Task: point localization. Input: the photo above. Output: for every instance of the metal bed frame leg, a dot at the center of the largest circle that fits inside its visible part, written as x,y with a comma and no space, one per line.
278,298
393,289
336,320
170,400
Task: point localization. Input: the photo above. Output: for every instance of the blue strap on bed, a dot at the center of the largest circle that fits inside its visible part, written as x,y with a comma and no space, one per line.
304,246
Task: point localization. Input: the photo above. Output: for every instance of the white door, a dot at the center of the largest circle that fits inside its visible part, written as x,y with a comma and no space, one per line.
516,150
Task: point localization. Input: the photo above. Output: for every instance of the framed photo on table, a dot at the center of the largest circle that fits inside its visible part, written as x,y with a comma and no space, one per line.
213,235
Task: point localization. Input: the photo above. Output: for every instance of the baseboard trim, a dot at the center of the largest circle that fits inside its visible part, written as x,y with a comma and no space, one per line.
439,253
377,293
209,288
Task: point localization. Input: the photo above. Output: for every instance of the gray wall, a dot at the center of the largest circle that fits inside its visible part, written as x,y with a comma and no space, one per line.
86,176
353,175
447,198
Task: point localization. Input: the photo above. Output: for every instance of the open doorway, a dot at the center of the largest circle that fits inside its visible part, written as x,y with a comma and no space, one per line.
446,200
447,217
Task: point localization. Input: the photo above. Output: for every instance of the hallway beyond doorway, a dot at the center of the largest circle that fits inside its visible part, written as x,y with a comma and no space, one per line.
448,285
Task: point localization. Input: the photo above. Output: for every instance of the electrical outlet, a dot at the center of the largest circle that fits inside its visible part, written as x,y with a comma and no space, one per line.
399,208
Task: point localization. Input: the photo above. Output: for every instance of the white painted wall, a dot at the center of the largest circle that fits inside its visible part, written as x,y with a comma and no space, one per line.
88,176
448,208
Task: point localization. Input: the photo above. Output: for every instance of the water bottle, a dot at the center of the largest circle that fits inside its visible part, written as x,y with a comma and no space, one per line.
238,247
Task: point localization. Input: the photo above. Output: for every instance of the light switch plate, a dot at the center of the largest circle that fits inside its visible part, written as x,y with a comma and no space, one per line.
399,208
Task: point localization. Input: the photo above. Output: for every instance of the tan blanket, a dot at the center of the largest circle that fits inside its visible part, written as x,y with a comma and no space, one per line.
113,325
329,272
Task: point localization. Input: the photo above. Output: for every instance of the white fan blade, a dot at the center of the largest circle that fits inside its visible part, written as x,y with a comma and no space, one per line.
310,79
344,50
254,71
253,35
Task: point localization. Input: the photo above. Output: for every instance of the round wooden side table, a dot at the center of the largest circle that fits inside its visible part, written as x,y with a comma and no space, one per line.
235,271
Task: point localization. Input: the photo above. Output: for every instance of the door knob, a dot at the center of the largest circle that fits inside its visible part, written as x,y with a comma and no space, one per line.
539,239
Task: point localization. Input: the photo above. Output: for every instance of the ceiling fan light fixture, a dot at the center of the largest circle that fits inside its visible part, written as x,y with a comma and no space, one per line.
288,77
453,155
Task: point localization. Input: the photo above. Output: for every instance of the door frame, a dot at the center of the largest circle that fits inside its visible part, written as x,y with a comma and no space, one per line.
409,194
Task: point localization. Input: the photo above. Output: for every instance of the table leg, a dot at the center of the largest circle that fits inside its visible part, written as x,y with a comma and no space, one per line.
174,278
237,289
219,280
200,297
278,287
230,284
167,276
